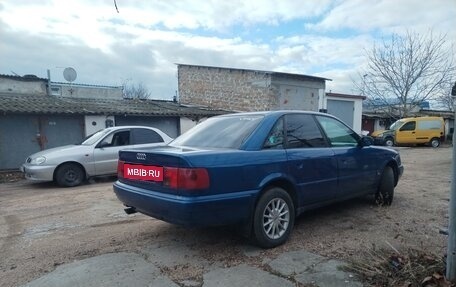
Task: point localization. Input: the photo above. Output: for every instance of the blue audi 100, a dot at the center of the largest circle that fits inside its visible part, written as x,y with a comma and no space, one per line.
259,170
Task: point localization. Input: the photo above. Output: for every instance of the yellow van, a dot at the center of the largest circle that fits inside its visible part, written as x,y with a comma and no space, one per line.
411,131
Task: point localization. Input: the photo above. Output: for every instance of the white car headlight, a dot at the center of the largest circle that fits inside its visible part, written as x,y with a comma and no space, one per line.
38,160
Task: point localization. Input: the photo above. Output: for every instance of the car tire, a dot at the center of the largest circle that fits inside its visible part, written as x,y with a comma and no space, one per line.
385,193
435,142
69,174
273,218
389,142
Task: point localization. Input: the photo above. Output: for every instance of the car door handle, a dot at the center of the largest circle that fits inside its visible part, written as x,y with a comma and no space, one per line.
300,165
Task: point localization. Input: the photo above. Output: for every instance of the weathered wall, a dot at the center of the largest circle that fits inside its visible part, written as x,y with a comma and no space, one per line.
17,86
230,89
297,94
95,123
85,91
247,90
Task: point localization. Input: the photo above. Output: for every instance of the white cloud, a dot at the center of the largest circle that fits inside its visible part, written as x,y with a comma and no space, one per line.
145,40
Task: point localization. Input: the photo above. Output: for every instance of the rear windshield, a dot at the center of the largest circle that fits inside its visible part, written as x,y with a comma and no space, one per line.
219,132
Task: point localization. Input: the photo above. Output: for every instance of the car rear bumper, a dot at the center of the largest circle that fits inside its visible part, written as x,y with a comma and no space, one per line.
38,172
189,210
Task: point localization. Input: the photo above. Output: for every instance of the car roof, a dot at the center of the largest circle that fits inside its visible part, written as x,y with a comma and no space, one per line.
130,127
275,113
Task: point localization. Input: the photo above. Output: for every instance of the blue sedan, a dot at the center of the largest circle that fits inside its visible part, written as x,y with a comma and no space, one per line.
259,170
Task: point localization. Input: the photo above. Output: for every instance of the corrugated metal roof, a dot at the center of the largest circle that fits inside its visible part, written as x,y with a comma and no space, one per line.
18,103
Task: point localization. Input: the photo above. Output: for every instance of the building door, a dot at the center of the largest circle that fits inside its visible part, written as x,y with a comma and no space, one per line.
18,139
344,110
23,135
61,130
368,125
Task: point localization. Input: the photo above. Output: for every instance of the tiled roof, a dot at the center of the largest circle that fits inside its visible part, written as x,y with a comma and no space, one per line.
16,103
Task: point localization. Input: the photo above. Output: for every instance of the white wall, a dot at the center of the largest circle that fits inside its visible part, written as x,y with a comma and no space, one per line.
357,110
26,87
96,123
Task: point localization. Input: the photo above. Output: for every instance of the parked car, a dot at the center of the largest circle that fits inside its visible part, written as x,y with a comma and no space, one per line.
412,131
259,170
97,155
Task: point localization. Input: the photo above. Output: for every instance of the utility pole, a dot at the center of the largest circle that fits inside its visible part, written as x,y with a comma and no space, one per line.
451,252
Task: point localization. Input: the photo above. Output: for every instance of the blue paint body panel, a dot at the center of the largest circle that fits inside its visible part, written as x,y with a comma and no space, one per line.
313,176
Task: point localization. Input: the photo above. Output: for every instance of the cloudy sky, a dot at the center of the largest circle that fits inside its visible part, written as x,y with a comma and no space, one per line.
144,39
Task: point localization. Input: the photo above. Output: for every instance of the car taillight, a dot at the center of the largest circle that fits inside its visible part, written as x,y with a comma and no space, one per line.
185,178
120,169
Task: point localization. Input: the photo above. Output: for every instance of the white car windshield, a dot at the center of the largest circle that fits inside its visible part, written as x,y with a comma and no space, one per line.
93,138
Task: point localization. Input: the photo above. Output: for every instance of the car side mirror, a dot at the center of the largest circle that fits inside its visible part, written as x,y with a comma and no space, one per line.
366,141
103,145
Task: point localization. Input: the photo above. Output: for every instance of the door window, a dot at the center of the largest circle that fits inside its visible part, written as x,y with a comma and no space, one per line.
119,138
276,137
410,126
145,136
338,133
303,132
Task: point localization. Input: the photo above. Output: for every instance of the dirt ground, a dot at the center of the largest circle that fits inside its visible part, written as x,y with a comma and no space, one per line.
43,226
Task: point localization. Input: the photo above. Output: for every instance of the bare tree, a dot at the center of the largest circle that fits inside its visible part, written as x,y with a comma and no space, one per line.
407,70
135,91
445,99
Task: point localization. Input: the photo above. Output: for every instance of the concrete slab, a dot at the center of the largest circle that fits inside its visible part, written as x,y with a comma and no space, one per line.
241,276
328,274
115,269
295,262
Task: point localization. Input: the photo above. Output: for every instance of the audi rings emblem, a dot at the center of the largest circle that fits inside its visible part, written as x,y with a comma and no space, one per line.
141,156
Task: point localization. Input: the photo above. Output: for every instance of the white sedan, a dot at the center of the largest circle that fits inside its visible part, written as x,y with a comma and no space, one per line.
97,155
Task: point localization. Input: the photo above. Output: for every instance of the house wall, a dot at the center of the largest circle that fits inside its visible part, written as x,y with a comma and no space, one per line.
96,123
83,91
18,86
294,94
246,90
230,89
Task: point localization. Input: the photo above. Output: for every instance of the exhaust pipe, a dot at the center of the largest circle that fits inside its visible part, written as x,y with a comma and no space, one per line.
130,210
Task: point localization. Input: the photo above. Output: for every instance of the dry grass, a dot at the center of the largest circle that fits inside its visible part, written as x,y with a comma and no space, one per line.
410,268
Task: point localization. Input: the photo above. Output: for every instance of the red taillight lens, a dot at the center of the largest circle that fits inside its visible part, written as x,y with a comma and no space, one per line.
186,178
120,169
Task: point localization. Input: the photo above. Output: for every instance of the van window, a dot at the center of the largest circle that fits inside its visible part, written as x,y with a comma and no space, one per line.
429,125
395,125
410,126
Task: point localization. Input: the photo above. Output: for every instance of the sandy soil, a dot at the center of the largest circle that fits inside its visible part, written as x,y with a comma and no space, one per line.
43,226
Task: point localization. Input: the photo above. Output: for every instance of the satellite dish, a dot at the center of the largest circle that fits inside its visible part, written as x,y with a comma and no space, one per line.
69,74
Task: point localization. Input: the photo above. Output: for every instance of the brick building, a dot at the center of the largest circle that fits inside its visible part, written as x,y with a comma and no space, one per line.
248,90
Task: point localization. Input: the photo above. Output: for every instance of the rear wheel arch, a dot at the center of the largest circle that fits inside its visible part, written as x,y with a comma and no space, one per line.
285,185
